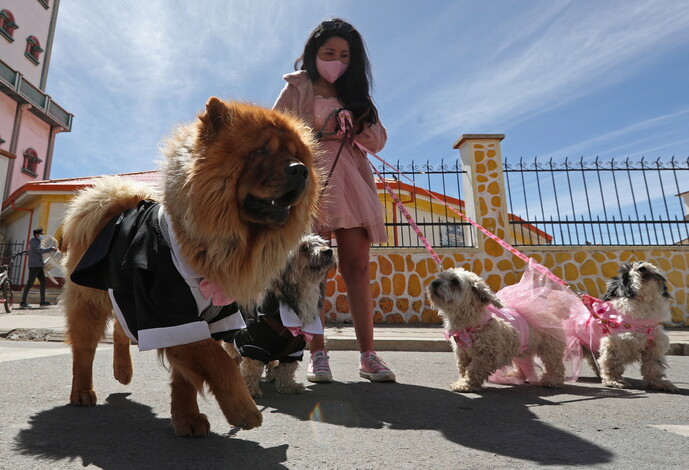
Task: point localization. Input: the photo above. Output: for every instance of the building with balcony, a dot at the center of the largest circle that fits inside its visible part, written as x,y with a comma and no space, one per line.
29,118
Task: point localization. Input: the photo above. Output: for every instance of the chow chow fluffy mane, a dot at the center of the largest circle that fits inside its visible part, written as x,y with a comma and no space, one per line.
240,189
229,196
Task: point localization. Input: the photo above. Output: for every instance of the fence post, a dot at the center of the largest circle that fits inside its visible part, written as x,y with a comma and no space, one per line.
484,187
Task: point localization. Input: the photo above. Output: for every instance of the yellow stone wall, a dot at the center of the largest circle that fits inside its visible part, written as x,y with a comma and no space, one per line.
399,276
398,279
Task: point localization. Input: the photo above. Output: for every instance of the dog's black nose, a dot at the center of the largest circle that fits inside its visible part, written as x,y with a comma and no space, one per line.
328,253
436,283
297,171
296,179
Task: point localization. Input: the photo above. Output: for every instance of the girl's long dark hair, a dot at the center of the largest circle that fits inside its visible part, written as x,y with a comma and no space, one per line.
354,86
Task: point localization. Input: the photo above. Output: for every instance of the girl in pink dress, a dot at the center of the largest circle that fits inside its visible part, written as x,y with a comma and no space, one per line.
332,86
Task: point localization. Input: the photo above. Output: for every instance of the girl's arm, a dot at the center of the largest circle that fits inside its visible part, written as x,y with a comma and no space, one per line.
373,137
288,100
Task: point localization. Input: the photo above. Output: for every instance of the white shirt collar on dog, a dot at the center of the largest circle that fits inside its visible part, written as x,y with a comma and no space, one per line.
290,319
190,276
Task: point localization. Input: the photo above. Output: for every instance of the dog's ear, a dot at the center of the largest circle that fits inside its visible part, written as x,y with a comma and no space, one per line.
620,286
663,286
215,117
612,287
485,295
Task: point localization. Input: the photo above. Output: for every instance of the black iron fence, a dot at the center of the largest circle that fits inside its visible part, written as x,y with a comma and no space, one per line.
615,202
600,202
439,224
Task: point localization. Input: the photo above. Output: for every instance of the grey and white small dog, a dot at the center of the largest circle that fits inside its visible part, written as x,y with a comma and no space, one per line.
639,293
297,293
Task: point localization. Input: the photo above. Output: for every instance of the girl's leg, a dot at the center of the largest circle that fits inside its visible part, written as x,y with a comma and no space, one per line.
317,343
353,246
318,369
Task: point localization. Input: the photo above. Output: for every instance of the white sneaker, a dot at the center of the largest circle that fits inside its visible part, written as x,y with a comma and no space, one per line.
319,368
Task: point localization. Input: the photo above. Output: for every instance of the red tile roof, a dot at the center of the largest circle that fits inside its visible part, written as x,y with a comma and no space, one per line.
154,176
71,185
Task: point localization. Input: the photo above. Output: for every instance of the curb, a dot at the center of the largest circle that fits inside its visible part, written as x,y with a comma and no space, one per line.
337,339
48,324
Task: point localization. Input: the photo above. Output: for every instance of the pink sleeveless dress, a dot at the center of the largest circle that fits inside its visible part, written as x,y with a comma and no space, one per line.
350,199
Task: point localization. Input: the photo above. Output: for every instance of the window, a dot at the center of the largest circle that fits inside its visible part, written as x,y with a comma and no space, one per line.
7,25
33,49
453,236
31,162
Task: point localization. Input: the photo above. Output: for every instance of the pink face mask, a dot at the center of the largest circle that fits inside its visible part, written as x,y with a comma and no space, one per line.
330,70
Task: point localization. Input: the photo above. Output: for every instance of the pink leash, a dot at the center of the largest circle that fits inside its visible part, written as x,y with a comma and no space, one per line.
344,123
606,323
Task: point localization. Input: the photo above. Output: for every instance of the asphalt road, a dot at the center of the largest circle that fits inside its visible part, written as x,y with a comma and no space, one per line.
416,423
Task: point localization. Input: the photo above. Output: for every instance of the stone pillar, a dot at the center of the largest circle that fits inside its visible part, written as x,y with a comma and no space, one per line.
484,188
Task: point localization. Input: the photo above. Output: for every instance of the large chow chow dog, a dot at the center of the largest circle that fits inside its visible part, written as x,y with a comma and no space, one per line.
239,190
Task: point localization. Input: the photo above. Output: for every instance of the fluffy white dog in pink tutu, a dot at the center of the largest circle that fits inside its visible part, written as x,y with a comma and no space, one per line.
489,339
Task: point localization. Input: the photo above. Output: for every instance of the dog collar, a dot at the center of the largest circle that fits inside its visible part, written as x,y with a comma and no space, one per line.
465,337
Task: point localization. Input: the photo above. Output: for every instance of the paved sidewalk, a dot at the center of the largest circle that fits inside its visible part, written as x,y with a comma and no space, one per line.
48,324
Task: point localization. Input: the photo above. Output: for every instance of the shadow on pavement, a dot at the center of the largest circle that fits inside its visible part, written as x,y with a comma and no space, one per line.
123,434
499,420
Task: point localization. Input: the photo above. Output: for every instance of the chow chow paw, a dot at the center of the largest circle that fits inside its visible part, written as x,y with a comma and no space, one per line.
246,417
123,371
196,425
83,398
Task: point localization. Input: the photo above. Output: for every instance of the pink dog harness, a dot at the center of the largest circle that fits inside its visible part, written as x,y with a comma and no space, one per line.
465,337
605,320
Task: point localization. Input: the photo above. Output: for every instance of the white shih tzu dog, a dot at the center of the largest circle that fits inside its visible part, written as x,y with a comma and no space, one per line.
626,327
486,337
279,328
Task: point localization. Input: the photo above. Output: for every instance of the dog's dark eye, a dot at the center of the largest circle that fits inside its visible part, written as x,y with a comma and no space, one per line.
643,269
454,282
261,151
304,248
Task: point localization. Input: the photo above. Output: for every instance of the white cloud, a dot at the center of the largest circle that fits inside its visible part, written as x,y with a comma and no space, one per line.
636,137
131,70
580,51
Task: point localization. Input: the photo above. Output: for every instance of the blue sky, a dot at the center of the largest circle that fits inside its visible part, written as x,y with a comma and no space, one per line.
559,78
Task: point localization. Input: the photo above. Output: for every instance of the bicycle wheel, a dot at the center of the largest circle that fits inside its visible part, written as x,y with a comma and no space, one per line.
8,295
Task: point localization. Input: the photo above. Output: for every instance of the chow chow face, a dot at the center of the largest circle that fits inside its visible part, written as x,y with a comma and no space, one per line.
241,179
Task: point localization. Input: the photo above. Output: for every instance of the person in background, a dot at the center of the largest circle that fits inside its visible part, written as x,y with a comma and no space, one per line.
36,267
331,91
